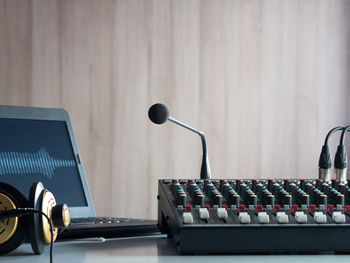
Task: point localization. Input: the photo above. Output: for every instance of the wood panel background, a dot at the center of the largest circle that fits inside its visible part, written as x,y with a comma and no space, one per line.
265,80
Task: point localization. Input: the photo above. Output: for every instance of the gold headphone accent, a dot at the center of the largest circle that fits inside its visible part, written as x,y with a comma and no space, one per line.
48,202
65,215
8,226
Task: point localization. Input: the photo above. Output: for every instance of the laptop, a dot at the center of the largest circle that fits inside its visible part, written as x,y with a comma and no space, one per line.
38,144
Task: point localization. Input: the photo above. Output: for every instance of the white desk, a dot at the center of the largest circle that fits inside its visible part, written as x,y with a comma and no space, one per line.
147,250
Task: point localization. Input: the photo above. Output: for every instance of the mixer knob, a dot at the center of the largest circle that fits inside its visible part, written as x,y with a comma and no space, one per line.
305,200
192,188
176,187
199,200
216,199
254,183
209,188
174,181
238,184
259,188
347,194
342,188
339,199
326,188
318,183
251,199
269,199
181,199
234,199
225,188
285,199
222,183
286,184
242,188
309,188
321,199
206,181
335,183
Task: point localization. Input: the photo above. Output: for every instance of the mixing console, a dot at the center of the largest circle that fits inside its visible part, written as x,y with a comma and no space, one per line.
230,216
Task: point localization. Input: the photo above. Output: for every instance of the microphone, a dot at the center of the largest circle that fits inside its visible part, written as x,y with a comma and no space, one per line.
158,114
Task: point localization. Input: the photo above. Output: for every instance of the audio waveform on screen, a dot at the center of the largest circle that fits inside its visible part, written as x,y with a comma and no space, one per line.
39,162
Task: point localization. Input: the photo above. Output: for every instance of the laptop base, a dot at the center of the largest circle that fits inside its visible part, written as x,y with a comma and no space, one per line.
109,227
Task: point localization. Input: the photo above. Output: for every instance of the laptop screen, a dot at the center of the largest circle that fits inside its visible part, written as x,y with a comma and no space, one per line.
40,150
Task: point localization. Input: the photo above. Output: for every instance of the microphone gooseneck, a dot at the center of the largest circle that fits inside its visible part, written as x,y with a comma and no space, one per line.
158,113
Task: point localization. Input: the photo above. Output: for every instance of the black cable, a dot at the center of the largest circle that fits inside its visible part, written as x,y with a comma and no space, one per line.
342,137
331,132
27,211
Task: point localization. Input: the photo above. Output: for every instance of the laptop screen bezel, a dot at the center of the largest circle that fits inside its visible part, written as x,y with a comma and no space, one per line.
55,114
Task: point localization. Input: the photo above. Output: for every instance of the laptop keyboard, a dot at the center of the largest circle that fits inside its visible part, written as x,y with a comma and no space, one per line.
108,227
103,220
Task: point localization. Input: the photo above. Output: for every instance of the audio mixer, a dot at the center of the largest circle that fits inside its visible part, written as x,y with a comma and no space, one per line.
207,216
237,216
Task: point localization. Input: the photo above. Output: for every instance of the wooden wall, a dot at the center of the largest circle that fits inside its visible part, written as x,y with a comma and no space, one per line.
265,80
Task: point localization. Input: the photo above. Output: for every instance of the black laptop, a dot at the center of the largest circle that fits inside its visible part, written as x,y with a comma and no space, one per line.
38,144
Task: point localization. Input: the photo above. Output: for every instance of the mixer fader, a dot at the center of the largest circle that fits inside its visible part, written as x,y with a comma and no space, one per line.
230,216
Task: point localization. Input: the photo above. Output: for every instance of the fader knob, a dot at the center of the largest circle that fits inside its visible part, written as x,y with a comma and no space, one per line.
187,218
320,218
338,217
300,217
244,218
263,218
282,218
203,213
222,213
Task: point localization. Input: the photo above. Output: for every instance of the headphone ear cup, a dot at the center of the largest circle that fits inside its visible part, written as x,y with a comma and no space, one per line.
39,233
13,231
36,235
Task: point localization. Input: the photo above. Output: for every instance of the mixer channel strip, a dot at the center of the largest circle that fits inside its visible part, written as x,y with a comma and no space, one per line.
242,216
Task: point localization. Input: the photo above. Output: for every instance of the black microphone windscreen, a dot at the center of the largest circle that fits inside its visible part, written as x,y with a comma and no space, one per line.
158,113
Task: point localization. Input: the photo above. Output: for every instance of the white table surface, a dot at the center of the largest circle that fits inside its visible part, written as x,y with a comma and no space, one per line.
147,249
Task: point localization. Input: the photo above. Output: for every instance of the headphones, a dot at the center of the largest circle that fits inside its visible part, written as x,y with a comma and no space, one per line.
23,220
